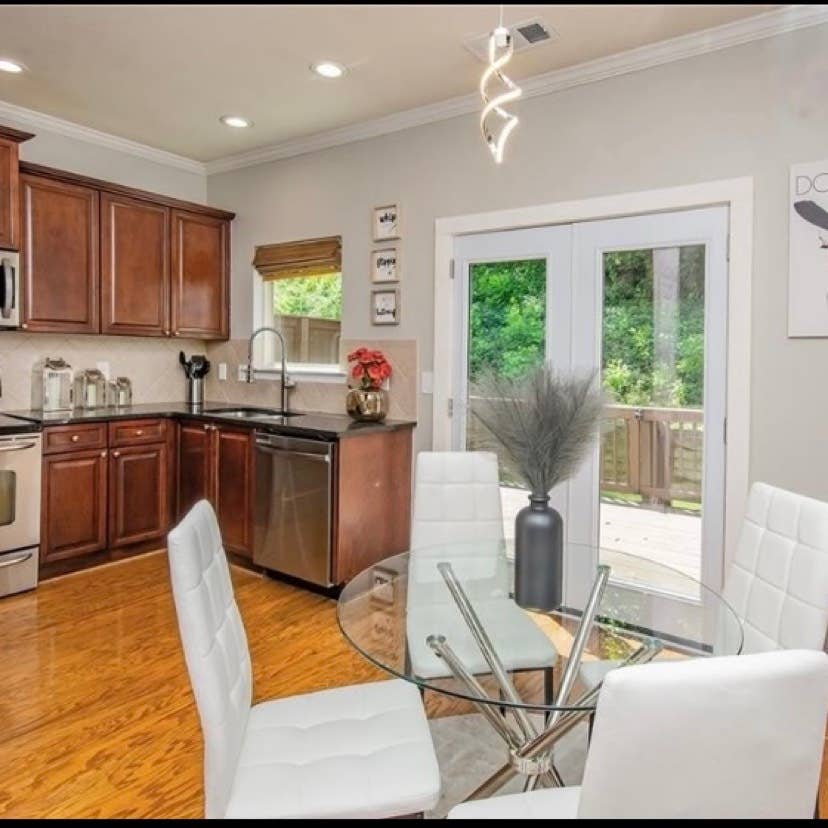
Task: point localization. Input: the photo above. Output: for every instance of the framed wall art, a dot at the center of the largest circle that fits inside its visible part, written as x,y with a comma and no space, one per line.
808,250
385,222
385,265
385,307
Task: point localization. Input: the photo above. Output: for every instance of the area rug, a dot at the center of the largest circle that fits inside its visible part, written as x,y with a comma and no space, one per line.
469,751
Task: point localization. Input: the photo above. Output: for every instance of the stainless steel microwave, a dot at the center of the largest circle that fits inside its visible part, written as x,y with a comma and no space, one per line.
9,290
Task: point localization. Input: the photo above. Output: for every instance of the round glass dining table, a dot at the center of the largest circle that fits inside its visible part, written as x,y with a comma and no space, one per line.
446,618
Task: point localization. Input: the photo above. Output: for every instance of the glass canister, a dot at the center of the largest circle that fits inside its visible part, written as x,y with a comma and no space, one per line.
120,392
90,389
52,385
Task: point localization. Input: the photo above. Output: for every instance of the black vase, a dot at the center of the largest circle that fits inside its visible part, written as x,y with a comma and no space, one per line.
539,556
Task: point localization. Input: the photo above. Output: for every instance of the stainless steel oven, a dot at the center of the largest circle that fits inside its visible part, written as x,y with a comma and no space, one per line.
9,290
20,457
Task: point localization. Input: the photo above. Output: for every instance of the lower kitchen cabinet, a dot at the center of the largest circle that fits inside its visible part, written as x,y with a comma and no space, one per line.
74,505
215,463
139,494
233,487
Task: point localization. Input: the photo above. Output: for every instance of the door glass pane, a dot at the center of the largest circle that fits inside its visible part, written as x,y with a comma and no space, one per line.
8,499
507,333
652,444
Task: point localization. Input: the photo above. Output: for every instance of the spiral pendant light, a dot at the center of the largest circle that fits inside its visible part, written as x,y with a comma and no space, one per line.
497,123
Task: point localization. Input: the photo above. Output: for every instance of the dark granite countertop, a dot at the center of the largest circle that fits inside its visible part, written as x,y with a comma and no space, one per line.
12,425
311,424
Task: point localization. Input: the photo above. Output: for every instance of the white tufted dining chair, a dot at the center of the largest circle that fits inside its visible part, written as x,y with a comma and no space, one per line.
457,500
707,738
351,752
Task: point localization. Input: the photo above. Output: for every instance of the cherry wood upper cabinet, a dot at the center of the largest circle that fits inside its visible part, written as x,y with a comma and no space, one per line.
200,276
60,256
135,266
10,139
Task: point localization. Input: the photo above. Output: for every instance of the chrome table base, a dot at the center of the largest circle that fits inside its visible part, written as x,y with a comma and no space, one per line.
530,751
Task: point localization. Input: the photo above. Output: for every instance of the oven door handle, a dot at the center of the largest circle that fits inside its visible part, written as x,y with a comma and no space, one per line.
14,561
16,446
8,299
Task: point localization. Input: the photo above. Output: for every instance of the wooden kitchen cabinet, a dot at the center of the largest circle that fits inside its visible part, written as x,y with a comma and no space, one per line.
135,266
59,256
10,140
195,463
200,276
139,494
215,463
74,498
233,487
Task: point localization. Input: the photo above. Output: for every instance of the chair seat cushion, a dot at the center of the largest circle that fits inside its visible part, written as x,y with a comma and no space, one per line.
351,752
517,639
548,803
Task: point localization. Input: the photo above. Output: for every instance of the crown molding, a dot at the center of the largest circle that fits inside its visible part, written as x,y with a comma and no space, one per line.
737,33
39,120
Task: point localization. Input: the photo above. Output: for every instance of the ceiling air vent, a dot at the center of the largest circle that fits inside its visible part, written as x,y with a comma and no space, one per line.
527,34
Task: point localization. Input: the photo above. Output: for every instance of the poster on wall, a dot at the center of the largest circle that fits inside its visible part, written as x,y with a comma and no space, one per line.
808,250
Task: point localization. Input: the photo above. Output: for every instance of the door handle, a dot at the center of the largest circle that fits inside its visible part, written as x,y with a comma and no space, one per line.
324,458
17,446
14,561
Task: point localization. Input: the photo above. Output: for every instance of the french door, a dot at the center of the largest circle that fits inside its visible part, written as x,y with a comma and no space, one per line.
641,301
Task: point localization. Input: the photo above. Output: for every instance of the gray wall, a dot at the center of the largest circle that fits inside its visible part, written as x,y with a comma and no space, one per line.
746,111
54,150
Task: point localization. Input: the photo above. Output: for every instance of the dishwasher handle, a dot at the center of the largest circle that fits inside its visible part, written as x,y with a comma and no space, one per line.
264,445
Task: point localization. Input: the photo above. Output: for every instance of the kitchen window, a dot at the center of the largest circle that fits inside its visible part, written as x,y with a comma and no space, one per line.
301,296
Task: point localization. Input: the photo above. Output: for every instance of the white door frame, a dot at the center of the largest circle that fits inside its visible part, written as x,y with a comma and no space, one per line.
735,193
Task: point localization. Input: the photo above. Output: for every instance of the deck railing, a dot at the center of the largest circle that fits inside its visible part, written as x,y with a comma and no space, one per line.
653,452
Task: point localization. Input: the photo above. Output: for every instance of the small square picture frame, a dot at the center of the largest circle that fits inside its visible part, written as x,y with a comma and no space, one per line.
386,264
385,222
385,306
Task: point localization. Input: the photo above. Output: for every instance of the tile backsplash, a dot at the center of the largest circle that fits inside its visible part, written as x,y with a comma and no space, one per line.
151,363
315,396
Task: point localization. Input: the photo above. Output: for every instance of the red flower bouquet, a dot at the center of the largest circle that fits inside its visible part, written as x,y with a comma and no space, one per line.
369,368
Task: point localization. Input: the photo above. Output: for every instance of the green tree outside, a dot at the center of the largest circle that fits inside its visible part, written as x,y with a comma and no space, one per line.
319,297
508,321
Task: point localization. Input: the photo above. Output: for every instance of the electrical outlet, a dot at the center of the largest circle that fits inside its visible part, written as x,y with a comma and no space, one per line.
242,375
222,371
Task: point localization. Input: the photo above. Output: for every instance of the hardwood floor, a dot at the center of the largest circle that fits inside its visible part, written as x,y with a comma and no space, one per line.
96,714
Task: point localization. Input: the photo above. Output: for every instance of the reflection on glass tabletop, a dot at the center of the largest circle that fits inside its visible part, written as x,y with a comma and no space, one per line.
414,615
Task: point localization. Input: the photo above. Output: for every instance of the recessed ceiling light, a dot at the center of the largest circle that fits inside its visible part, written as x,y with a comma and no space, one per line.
236,121
328,69
9,65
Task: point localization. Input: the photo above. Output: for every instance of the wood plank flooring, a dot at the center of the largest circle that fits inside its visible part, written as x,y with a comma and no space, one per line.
96,714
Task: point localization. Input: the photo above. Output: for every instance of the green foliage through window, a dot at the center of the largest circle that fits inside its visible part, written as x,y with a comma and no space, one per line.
507,325
319,297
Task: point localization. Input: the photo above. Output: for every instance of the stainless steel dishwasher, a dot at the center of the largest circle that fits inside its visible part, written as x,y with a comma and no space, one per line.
293,521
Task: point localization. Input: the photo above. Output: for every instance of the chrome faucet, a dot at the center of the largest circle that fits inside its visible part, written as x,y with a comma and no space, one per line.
286,381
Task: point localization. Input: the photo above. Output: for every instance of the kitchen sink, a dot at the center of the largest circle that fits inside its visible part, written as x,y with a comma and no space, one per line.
251,413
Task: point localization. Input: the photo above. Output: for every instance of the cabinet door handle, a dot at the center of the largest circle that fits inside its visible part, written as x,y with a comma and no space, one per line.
167,332
24,326
75,438
116,453
103,454
139,432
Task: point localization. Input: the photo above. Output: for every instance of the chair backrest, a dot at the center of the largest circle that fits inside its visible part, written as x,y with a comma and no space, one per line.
456,498
778,580
215,647
731,737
